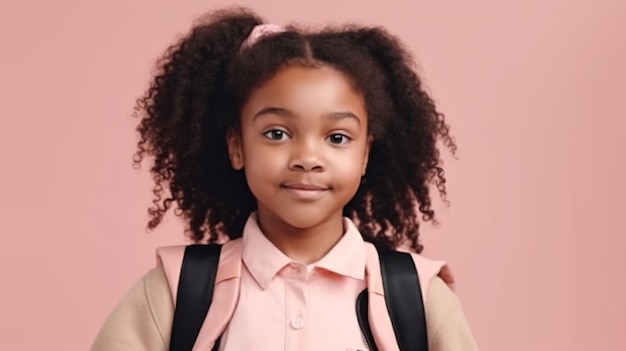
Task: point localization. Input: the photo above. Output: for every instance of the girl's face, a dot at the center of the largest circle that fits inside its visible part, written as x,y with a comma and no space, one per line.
303,145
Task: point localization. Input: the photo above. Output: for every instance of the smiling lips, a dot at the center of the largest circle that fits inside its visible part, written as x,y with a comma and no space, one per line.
305,191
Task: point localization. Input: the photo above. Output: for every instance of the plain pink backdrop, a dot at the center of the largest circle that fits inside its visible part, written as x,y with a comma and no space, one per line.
534,91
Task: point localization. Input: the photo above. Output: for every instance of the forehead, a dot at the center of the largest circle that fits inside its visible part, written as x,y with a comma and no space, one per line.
305,90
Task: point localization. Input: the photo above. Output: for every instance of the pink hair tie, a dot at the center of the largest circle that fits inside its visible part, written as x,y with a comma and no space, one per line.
261,31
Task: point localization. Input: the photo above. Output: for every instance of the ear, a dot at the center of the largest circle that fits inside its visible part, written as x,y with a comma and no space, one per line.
235,152
368,147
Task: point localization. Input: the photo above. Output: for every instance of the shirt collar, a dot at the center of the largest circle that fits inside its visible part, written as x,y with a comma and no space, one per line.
348,256
264,260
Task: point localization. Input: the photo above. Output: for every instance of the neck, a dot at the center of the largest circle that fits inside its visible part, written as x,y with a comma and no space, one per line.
304,245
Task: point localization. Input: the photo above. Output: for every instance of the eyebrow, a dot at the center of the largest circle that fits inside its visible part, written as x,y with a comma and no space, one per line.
286,113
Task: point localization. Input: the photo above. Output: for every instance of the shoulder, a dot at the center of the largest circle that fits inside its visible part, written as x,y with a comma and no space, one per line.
428,269
441,303
142,319
159,299
447,326
170,259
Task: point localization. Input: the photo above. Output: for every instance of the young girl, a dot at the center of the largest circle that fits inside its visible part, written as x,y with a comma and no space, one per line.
300,148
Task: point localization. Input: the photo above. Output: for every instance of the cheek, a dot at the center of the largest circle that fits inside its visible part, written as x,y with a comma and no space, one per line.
348,167
263,164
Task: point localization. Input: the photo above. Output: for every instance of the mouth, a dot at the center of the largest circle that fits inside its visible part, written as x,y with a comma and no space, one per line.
304,186
305,191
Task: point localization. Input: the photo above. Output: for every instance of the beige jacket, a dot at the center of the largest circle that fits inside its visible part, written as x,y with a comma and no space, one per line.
142,320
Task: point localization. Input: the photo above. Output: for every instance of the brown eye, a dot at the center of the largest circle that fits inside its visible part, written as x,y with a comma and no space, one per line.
275,134
338,139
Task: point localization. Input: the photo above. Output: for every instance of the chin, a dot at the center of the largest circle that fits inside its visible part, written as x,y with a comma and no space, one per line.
302,218
303,221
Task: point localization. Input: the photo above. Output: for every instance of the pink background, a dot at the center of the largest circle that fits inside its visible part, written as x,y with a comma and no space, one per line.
534,91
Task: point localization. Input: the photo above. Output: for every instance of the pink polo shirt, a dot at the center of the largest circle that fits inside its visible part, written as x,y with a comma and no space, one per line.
287,305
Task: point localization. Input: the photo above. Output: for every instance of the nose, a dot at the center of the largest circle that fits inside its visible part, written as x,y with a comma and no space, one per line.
306,157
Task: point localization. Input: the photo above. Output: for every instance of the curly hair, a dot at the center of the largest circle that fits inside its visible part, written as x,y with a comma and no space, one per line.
197,94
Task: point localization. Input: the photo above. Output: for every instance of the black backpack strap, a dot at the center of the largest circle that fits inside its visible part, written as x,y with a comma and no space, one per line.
362,308
195,293
403,297
404,301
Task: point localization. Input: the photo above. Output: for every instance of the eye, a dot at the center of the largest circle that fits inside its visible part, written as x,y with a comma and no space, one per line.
339,139
276,134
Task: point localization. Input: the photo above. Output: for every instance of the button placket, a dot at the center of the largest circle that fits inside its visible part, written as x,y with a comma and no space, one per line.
295,317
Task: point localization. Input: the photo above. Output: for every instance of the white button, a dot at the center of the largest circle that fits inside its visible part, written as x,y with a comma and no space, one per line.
297,323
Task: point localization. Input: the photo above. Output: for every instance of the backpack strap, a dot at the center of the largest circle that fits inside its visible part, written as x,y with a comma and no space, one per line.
194,296
403,298
362,310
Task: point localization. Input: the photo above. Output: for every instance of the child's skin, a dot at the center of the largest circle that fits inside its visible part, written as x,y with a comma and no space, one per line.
303,144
